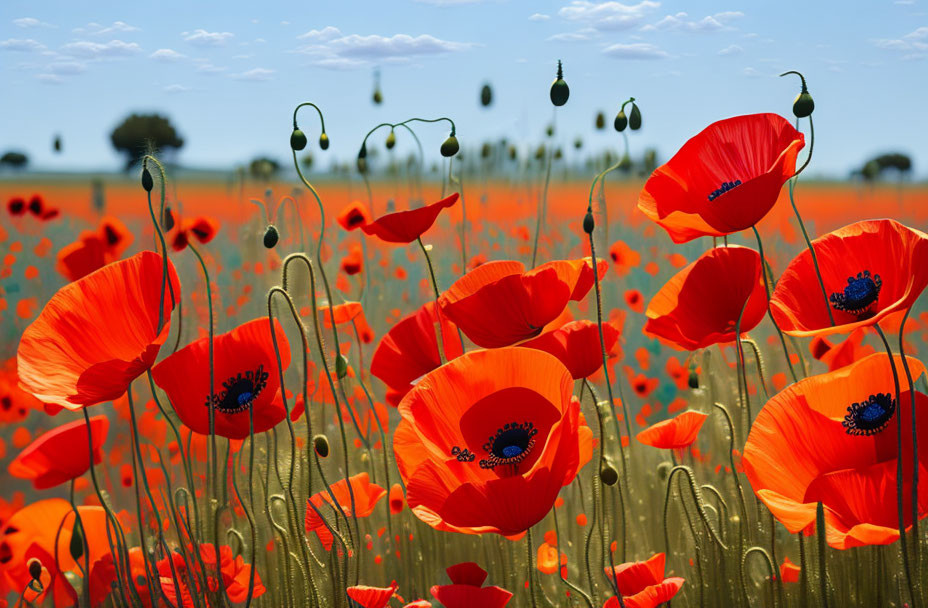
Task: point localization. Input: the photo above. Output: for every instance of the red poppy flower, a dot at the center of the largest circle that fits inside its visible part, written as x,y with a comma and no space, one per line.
836,356
353,216
203,229
366,497
353,263
576,345
700,305
789,571
74,355
343,313
245,378
832,438
16,206
723,180
397,500
61,454
15,403
466,589
410,350
372,597
407,226
499,303
675,433
488,440
93,250
642,584
235,573
871,269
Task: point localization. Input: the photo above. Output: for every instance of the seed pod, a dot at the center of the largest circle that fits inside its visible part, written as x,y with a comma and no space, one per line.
297,140
634,118
600,121
588,222
167,220
607,473
147,182
341,366
391,140
803,105
321,445
450,146
324,141
35,569
271,236
621,121
486,95
559,89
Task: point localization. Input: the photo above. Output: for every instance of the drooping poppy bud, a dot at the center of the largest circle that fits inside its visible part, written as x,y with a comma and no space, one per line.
634,118
271,236
76,546
600,121
297,139
167,220
588,222
321,445
324,141
450,146
549,130
621,121
803,105
486,95
147,182
391,140
341,366
559,89
607,473
35,569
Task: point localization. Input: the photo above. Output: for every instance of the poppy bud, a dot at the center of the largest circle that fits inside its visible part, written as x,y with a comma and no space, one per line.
558,154
693,380
621,121
634,119
362,153
35,569
147,182
588,222
450,146
513,153
341,366
321,445
607,473
803,105
663,469
167,220
324,141
271,236
549,130
378,97
297,140
391,140
486,95
578,143
76,546
600,121
559,89
57,143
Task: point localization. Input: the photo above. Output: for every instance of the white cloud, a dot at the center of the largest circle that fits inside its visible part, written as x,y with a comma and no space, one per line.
332,49
607,15
176,88
583,35
49,78
167,55
733,49
637,50
201,37
67,67
208,68
341,63
30,22
751,72
23,45
914,45
99,50
682,21
96,29
324,35
255,75
539,17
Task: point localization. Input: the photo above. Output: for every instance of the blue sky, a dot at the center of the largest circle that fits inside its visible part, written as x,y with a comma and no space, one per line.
229,75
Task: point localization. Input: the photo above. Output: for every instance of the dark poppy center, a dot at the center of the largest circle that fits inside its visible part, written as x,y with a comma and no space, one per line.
6,554
870,416
6,404
240,391
859,296
355,218
510,445
725,187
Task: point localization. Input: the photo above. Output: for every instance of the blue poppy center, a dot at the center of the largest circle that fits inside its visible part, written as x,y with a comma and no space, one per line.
869,416
239,392
511,444
859,296
725,187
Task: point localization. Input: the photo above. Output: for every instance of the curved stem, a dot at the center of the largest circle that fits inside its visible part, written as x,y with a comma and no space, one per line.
805,235
763,270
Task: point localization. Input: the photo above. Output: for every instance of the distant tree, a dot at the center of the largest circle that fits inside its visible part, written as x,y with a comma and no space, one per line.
14,159
139,133
874,168
263,168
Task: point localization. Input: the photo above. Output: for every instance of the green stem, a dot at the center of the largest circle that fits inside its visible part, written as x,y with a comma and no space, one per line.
763,263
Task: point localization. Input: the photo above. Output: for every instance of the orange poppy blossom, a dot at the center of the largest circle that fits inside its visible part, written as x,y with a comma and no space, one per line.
410,350
236,575
372,597
61,454
245,378
838,355
202,228
499,303
404,227
74,355
342,313
93,250
366,497
642,584
831,438
353,262
466,589
700,305
487,441
871,269
674,433
576,345
723,180
353,216
789,571
15,403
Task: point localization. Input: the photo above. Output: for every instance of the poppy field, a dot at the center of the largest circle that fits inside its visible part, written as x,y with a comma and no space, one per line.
492,384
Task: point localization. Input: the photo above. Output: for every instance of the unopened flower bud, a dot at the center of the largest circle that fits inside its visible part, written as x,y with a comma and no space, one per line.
634,118
803,105
378,97
321,445
486,95
607,473
147,182
663,469
693,380
167,220
559,89
588,222
297,140
324,141
271,236
620,122
341,366
391,140
450,146
600,121
35,569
